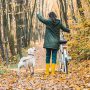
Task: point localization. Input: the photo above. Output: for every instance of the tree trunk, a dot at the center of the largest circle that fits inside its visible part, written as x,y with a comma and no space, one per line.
64,11
18,36
80,9
31,17
11,28
5,30
1,34
1,44
25,32
72,11
19,28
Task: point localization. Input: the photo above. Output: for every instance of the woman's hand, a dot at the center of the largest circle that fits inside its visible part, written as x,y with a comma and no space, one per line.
38,12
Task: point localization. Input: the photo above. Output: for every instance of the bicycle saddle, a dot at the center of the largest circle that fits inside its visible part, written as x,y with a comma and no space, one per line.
63,42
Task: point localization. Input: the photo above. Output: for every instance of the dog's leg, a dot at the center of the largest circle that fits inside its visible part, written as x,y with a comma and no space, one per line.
19,66
29,69
60,66
32,72
26,67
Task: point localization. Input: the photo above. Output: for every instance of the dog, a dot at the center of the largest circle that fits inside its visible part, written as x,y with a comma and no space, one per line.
28,62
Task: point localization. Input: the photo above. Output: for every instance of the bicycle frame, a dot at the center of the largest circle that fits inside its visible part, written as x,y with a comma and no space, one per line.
63,58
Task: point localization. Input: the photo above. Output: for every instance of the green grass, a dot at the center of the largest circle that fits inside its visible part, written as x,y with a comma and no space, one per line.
3,71
13,66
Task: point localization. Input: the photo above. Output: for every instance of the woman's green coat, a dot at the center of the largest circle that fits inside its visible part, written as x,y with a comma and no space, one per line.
52,33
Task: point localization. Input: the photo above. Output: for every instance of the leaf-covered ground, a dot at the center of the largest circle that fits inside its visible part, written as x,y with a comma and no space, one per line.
78,77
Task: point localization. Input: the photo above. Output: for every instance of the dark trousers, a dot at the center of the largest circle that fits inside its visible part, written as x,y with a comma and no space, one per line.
50,51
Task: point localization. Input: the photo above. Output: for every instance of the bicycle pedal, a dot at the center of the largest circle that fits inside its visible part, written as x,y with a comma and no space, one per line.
69,58
61,70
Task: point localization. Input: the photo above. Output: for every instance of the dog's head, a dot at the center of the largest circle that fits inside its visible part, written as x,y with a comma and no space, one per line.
31,50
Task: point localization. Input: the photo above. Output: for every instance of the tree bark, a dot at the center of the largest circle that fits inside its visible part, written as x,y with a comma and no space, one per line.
1,44
72,11
31,17
80,9
5,30
64,11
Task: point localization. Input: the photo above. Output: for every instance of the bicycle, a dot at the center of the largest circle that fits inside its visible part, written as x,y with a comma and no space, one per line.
63,56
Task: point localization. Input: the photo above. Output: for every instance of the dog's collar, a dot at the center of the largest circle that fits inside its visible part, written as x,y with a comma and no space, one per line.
31,54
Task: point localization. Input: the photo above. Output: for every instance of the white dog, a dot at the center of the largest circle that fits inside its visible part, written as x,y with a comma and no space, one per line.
29,61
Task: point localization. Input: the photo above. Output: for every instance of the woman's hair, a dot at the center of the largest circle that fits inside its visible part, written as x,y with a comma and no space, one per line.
53,16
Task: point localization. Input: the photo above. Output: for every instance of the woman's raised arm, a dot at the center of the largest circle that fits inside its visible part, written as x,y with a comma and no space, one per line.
42,19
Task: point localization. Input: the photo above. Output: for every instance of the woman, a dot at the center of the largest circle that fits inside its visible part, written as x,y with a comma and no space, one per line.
52,39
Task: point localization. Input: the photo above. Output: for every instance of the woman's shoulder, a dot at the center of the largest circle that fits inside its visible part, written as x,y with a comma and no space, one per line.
58,20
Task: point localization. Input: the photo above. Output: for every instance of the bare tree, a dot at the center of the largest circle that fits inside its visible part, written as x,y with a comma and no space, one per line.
5,29
80,9
72,11
63,4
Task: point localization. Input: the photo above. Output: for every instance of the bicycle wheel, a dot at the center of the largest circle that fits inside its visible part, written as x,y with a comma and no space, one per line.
66,66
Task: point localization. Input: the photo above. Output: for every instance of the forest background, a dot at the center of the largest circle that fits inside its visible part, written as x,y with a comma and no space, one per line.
19,26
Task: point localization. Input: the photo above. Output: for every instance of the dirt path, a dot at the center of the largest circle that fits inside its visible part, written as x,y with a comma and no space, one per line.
77,79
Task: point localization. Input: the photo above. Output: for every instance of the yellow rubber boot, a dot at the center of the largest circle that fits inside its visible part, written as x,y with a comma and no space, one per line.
47,69
53,69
